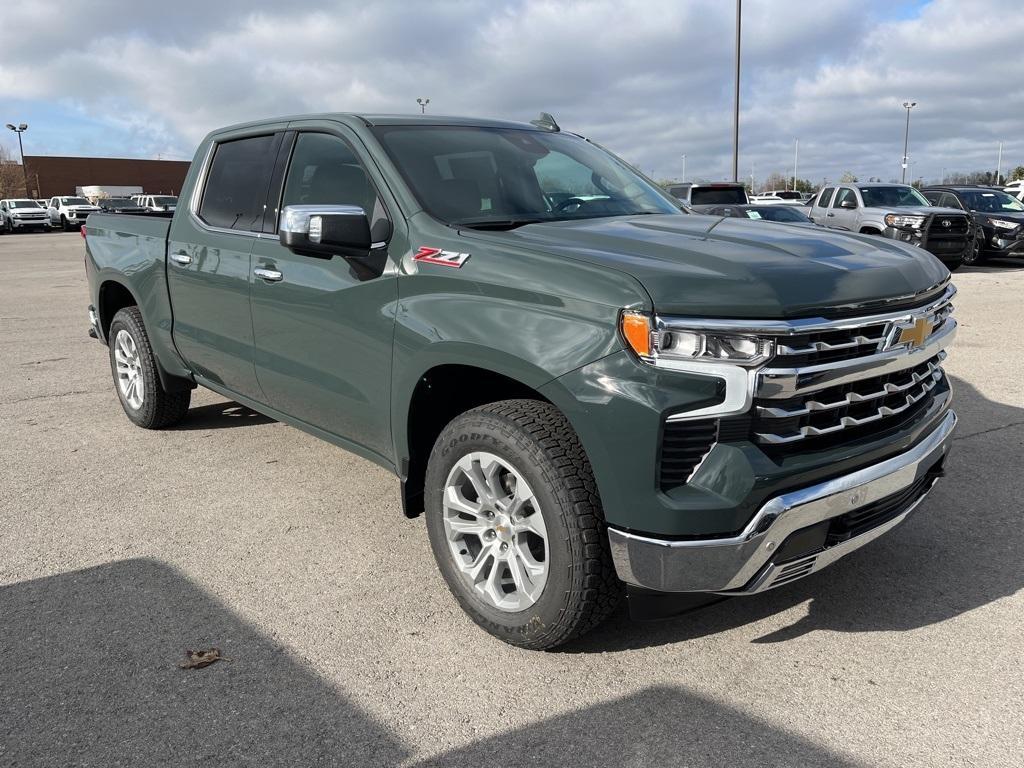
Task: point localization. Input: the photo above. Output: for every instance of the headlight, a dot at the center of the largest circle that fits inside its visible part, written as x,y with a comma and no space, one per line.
1001,224
900,220
657,340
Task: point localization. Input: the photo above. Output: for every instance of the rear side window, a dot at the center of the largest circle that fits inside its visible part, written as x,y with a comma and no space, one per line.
825,195
719,195
236,185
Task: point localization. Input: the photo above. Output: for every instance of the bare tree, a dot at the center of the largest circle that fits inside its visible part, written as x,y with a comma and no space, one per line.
12,180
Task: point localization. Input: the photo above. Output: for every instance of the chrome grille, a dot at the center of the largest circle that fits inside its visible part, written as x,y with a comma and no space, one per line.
834,409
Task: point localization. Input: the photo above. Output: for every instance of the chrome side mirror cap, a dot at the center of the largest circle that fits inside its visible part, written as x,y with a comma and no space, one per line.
325,230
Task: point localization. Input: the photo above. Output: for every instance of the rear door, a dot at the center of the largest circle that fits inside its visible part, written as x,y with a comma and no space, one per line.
208,260
819,211
324,325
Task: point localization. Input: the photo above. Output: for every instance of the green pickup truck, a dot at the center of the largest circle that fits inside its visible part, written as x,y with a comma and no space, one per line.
587,392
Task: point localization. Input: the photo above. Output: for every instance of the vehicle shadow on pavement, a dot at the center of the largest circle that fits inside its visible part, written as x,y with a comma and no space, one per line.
221,416
90,676
995,265
658,726
959,551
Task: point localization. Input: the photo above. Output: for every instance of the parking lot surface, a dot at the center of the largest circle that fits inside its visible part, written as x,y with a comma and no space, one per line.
120,548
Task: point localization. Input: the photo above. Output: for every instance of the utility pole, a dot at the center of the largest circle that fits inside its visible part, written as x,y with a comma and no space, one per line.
908,105
796,160
684,167
423,105
20,129
736,101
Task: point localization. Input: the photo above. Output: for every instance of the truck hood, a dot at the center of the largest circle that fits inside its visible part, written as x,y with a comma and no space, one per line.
923,210
714,267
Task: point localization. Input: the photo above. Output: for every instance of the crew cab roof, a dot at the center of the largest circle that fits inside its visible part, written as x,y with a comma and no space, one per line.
383,120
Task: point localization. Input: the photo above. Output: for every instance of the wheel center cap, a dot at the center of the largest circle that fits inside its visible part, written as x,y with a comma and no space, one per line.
503,528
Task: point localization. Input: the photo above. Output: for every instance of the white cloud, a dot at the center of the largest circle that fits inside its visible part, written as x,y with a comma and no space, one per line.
652,80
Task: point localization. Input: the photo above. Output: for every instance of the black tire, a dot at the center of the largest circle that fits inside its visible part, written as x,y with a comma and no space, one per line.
159,408
581,588
64,223
972,256
953,266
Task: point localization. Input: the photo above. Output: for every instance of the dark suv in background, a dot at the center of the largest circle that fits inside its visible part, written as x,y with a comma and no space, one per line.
998,218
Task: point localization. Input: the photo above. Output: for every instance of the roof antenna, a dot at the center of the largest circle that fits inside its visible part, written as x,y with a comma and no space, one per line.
546,123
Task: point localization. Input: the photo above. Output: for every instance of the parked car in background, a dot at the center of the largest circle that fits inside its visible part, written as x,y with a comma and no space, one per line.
44,204
785,214
22,214
157,203
119,205
1014,187
998,218
899,212
777,197
70,212
699,195
577,384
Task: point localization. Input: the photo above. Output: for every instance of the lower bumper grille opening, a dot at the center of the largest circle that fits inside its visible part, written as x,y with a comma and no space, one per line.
684,444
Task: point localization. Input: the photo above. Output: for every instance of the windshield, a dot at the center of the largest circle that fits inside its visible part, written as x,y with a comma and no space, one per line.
120,202
718,196
787,195
777,213
895,196
990,201
500,178
24,204
165,200
75,201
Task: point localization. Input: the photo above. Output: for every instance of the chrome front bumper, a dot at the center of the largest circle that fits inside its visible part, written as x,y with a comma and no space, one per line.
745,564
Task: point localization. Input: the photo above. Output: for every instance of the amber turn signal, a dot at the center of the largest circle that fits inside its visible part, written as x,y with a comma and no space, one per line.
636,330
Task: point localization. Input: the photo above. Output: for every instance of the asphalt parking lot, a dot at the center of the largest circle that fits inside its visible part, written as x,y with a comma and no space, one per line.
120,548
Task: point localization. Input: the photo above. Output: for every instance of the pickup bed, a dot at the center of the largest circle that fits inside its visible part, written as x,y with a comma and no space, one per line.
585,391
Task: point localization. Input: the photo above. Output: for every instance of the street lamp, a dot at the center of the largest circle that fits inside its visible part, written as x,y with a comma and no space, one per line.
908,105
736,100
20,129
423,105
684,167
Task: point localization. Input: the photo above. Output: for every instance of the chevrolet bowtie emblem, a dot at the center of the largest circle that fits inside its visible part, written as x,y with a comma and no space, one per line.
915,335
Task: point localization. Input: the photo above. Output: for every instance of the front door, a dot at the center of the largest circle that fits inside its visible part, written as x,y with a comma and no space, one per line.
208,263
324,326
840,217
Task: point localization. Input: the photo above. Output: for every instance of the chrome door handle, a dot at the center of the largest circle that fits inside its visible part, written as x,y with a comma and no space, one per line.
181,258
270,275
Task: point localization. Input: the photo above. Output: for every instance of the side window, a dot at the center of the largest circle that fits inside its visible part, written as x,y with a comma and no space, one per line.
933,197
236,185
53,202
325,170
949,200
845,194
823,198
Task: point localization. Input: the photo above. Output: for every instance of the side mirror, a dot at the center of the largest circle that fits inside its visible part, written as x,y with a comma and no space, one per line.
325,230
848,204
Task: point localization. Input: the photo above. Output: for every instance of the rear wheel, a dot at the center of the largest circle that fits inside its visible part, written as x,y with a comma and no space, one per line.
64,223
516,525
973,256
136,380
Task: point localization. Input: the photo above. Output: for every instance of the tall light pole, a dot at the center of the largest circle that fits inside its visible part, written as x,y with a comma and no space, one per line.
20,129
796,159
423,105
736,101
999,163
684,167
908,105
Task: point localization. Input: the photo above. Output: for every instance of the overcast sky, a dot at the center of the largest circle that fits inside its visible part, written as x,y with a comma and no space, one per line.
650,80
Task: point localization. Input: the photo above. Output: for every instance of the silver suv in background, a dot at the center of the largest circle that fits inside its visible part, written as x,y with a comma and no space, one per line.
702,195
21,214
899,212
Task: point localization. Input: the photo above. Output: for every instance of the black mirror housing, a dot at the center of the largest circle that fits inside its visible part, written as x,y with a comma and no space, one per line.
325,230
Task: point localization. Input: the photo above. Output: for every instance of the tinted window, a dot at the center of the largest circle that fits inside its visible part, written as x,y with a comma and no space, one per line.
933,197
711,195
780,213
845,193
324,169
823,198
236,187
991,201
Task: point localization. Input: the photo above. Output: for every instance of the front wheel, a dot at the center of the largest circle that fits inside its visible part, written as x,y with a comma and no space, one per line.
516,525
136,380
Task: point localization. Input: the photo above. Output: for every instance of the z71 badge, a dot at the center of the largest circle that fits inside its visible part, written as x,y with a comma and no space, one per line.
437,256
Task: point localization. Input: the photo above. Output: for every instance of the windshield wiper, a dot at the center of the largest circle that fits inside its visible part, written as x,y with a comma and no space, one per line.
499,224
